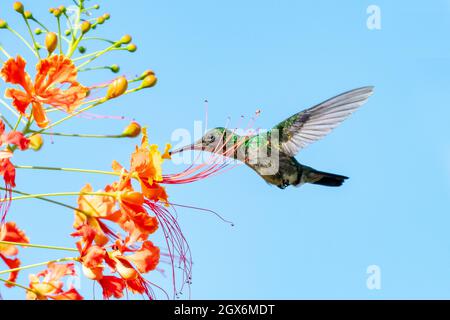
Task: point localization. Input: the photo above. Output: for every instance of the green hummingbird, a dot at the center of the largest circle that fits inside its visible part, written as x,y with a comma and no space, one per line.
272,153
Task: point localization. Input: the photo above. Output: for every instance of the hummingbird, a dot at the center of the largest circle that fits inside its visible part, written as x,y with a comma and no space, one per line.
271,154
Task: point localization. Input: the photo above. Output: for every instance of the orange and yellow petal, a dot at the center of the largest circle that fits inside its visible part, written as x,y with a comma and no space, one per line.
21,100
13,71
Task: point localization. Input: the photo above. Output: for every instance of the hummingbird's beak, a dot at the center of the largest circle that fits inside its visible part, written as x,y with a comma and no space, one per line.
191,147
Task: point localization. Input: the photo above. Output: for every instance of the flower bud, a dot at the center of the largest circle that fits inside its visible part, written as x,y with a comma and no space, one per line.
85,27
132,130
37,31
51,41
106,16
149,81
100,20
132,47
126,39
166,154
132,197
81,49
56,12
18,6
146,73
3,24
28,15
68,32
115,68
117,88
36,142
96,7
62,9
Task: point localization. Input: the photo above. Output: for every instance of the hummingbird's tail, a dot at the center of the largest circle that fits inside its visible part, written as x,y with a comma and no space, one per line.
310,175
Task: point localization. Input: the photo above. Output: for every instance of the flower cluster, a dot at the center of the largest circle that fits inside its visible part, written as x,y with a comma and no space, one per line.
112,226
116,261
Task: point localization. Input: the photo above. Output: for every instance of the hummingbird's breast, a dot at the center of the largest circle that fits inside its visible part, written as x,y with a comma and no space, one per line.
274,166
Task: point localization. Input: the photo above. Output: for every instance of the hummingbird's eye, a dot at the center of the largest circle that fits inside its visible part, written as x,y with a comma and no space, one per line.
212,139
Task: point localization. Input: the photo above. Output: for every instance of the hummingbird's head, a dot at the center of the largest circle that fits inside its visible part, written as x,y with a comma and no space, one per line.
212,140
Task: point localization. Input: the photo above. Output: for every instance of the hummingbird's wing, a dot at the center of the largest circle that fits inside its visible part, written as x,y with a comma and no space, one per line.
310,125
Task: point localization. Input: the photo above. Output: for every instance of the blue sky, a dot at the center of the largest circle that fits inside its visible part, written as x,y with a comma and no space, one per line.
280,57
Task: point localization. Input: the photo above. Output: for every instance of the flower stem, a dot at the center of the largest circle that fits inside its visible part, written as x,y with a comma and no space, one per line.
72,30
38,246
38,265
99,54
6,121
7,106
60,36
100,39
4,52
40,23
49,200
17,123
77,135
18,35
36,49
59,194
16,284
69,170
94,68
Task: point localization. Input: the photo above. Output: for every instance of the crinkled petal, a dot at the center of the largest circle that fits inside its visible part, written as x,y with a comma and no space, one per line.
12,264
21,100
13,71
112,287
39,115
57,69
17,138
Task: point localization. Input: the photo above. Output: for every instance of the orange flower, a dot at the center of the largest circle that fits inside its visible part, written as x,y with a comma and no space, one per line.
9,232
146,167
13,137
130,267
112,287
8,172
93,208
129,263
91,256
134,217
54,71
51,286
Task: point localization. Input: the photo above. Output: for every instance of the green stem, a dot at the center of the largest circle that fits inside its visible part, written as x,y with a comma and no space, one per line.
7,106
38,246
32,37
72,30
94,68
99,54
59,194
100,39
50,201
6,121
88,55
16,284
30,266
77,135
17,123
40,23
4,52
60,36
69,170
23,40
